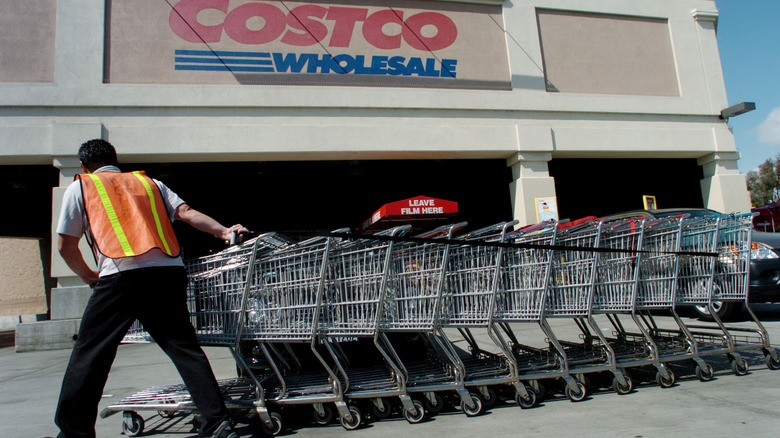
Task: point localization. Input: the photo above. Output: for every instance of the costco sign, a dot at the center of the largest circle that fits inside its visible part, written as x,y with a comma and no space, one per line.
309,24
308,42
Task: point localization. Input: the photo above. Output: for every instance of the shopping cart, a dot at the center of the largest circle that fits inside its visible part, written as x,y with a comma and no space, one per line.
656,291
411,317
571,296
679,267
354,294
280,308
616,289
472,279
728,283
696,263
711,261
214,293
520,299
674,256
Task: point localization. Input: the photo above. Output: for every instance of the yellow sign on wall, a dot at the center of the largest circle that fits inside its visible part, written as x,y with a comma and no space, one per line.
546,209
649,202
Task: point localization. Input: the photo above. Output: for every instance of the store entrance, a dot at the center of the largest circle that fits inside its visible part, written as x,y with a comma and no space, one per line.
303,198
601,187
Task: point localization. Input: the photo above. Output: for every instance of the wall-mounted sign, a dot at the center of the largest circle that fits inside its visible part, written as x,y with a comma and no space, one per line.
392,43
546,209
649,202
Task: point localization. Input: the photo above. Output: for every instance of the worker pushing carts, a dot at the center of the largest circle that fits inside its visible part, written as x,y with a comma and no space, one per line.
344,323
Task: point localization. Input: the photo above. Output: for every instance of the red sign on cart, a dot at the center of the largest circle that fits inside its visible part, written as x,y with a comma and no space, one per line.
414,207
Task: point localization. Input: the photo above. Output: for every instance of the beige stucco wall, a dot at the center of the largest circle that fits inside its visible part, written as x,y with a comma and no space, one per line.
27,40
607,54
22,287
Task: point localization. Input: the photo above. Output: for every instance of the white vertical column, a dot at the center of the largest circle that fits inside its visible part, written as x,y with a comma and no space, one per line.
531,180
66,139
723,188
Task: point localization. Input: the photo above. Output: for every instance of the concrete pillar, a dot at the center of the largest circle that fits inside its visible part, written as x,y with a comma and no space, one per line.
66,139
723,188
531,183
706,31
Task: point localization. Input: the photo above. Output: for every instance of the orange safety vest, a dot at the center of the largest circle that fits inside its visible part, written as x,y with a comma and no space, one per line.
126,214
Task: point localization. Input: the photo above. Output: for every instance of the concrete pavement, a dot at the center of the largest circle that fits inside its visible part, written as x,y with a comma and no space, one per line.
727,406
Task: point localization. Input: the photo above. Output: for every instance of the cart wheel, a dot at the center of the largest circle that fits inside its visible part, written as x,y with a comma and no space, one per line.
665,383
582,377
705,374
276,428
133,424
417,416
623,389
476,410
357,417
529,402
739,366
325,417
166,413
434,406
772,363
578,395
489,397
381,410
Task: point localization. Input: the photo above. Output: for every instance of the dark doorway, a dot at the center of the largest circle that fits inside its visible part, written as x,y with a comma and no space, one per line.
601,187
302,198
27,192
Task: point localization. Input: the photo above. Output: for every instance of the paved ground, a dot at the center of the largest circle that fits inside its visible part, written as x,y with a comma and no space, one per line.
727,406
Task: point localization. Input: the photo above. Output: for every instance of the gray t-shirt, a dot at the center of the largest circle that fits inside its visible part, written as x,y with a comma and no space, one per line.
73,222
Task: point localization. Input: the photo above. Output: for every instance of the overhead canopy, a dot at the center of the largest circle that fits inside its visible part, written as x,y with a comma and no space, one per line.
419,210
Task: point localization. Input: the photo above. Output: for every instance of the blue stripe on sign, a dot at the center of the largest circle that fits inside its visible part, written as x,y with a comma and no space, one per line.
223,53
224,68
224,61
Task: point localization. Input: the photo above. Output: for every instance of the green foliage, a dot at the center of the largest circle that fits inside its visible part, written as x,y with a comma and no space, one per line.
764,183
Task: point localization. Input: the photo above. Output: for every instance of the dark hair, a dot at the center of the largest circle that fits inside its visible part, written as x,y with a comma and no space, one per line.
97,153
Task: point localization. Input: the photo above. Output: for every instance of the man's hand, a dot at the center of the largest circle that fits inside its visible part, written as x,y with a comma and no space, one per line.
227,234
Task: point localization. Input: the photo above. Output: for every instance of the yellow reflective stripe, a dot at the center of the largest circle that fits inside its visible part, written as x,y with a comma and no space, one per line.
154,211
112,218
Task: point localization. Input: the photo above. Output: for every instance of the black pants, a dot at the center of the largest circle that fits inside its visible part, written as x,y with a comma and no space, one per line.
156,297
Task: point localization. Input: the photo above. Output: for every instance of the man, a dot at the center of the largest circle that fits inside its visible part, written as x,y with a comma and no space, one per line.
127,218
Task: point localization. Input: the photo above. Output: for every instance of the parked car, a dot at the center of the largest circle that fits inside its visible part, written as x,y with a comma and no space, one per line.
764,286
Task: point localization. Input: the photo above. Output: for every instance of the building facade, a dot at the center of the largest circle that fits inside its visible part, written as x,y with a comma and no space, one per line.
314,113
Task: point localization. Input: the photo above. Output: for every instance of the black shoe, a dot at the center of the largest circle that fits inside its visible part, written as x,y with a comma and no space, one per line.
225,430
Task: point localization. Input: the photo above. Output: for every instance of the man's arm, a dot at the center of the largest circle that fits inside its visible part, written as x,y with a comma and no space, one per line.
206,223
68,247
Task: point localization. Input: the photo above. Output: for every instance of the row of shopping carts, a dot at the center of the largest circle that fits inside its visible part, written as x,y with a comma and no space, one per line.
393,323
